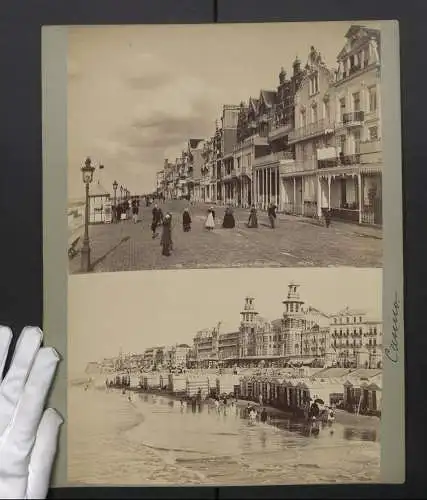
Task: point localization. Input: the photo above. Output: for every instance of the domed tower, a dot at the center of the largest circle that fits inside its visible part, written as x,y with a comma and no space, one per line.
296,65
248,327
293,321
282,76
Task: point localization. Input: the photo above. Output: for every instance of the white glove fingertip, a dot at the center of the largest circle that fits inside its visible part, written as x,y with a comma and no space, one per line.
32,331
43,454
52,417
5,341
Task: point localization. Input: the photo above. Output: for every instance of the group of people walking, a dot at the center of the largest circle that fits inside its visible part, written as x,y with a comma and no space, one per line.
229,221
164,221
122,211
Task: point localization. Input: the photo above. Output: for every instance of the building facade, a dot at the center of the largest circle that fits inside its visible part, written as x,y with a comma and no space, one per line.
314,130
312,144
350,183
357,339
206,348
303,335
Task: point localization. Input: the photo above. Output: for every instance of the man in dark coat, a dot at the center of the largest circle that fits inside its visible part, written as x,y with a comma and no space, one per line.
186,221
253,219
272,214
166,240
157,219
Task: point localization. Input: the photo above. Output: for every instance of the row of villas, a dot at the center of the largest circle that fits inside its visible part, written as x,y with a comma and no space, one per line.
302,336
313,143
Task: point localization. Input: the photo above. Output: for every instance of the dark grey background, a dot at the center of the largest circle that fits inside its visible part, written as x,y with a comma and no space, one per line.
21,286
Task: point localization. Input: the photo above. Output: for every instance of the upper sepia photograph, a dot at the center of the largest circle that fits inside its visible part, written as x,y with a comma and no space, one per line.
209,146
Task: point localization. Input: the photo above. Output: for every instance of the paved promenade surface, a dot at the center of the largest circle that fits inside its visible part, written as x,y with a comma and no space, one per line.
295,242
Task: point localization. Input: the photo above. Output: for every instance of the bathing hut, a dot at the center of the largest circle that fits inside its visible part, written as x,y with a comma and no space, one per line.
266,386
247,387
363,397
163,381
197,385
225,384
176,384
151,381
134,381
289,393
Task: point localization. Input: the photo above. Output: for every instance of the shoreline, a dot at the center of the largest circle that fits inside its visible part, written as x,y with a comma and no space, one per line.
342,417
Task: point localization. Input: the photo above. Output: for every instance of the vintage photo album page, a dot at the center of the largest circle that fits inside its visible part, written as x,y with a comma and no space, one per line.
223,252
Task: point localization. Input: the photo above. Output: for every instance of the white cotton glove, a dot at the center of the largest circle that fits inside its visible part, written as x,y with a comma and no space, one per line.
28,437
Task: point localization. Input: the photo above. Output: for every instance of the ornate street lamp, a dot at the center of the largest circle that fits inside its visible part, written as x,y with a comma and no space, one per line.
87,174
115,185
121,193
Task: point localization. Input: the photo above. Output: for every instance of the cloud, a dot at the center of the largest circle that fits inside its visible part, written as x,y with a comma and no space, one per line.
134,111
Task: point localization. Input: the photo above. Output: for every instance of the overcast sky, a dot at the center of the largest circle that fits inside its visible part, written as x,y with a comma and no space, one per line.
136,310
137,93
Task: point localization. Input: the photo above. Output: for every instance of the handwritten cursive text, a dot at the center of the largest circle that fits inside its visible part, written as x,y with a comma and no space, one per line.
392,351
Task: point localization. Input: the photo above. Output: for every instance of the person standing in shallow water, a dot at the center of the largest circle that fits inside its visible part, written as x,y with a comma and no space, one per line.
166,239
253,218
272,214
186,221
210,219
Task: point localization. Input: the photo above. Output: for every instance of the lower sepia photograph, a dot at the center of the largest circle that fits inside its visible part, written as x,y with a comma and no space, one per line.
225,377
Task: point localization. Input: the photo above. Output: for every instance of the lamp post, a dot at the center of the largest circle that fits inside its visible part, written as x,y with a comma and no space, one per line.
115,200
121,194
87,173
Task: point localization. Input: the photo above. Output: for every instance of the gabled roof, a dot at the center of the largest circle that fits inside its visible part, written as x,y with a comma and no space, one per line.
313,309
356,28
350,312
366,373
268,96
194,143
332,373
98,190
253,103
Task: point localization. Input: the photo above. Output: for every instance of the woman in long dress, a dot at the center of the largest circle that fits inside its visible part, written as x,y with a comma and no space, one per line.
253,218
186,221
228,222
166,239
210,219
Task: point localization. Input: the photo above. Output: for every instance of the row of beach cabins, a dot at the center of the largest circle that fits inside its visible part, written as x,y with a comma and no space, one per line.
357,391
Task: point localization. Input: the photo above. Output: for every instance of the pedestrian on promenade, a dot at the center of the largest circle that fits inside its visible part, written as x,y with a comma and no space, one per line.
271,212
135,211
157,219
186,221
327,216
210,219
166,239
228,221
253,219
118,212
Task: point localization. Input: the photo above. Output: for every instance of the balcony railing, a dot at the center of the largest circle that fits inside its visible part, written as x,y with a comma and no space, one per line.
353,118
273,158
311,130
370,147
298,166
279,131
342,161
